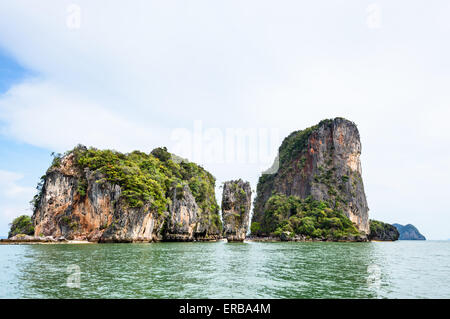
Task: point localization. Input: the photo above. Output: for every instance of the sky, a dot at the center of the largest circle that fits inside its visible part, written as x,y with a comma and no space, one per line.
223,82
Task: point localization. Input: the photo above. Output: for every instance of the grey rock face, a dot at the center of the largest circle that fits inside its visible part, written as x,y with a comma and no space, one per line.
324,162
236,203
409,232
182,224
185,222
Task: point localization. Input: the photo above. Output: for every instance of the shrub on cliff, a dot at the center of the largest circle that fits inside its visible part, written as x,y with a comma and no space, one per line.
307,217
21,225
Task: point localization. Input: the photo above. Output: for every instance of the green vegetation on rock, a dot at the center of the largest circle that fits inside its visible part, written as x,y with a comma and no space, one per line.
307,217
146,178
296,142
21,225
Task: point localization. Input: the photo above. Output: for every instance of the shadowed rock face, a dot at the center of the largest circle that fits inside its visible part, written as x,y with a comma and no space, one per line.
100,214
236,203
322,161
382,231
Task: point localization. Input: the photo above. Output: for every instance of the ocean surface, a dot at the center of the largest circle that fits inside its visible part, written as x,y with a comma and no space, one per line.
402,269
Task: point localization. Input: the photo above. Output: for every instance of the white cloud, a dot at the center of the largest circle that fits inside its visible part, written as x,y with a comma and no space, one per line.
45,115
10,188
14,198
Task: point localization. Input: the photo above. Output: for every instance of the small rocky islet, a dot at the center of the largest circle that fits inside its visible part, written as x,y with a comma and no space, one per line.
313,192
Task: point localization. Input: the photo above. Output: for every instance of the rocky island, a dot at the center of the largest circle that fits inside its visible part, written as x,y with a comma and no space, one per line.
380,231
314,191
107,196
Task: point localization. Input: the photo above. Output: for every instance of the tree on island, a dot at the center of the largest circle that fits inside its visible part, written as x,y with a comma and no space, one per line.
21,225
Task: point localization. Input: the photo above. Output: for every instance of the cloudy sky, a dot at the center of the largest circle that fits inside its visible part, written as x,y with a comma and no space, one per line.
193,75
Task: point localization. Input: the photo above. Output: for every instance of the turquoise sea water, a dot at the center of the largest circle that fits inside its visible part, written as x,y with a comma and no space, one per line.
402,269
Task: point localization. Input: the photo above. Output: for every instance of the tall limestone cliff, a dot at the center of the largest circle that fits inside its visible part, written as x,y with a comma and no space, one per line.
320,163
106,196
236,203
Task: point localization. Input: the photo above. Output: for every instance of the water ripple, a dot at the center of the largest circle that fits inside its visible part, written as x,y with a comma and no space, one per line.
401,269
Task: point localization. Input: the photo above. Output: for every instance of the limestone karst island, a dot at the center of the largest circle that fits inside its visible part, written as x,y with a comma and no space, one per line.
314,191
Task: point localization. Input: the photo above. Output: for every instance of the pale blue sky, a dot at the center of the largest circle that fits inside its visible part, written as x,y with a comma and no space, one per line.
137,77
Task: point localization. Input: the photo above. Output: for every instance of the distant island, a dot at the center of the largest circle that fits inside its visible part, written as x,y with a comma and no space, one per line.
409,232
313,192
